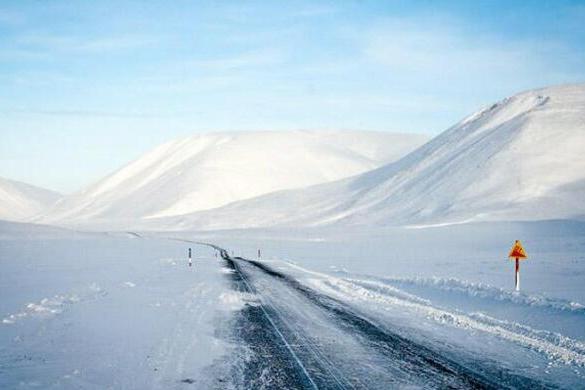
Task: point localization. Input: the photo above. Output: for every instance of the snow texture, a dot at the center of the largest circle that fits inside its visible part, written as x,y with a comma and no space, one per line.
124,310
519,159
207,171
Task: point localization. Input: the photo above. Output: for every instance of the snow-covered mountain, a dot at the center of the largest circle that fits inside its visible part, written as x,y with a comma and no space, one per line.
20,201
208,171
522,158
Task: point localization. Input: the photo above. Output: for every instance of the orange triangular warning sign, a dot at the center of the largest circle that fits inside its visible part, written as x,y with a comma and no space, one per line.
517,251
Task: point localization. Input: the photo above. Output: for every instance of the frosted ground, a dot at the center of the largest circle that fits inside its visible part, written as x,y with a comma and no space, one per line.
123,310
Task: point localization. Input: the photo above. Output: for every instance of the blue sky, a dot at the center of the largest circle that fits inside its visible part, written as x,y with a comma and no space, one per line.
87,86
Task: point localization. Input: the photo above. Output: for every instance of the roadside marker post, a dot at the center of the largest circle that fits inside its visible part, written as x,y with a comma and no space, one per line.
517,253
259,254
190,260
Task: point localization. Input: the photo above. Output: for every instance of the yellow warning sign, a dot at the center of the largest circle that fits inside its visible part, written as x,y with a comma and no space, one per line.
518,251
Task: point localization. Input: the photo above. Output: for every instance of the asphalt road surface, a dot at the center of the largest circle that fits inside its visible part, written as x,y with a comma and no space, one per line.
296,337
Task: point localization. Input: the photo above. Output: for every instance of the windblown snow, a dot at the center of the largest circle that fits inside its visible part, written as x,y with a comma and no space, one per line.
209,171
20,201
519,159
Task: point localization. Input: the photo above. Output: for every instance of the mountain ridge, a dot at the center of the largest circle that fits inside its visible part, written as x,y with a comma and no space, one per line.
208,171
22,201
517,159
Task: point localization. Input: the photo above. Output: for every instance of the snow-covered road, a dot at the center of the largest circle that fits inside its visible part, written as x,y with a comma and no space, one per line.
304,338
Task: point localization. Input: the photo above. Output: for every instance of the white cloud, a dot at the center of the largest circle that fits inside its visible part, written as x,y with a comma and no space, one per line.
8,55
249,59
64,43
244,12
432,50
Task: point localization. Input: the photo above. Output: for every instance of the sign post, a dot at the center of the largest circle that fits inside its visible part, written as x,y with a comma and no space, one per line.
517,253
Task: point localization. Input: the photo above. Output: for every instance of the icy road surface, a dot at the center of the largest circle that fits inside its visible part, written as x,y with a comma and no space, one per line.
311,340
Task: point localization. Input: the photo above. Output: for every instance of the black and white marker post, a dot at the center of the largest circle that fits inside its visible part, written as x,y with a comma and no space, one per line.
190,261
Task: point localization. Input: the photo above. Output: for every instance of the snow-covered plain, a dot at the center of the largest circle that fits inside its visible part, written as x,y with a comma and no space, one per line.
207,171
21,202
99,311
123,310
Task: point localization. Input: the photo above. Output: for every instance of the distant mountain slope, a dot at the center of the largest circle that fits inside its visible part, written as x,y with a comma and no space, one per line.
209,171
520,159
20,201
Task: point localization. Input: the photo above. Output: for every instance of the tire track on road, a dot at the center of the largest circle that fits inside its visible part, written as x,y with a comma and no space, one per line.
434,367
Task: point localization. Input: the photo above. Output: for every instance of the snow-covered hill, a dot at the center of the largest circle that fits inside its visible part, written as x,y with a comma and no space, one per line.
209,171
522,158
20,201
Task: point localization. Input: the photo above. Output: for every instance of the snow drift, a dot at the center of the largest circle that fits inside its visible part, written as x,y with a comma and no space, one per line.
209,171
20,201
519,159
